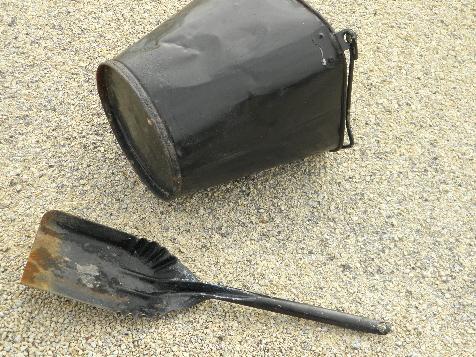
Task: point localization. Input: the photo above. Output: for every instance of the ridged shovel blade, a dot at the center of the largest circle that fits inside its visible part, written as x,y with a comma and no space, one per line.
104,267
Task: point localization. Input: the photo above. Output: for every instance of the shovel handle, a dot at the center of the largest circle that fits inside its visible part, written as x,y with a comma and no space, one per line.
310,312
286,307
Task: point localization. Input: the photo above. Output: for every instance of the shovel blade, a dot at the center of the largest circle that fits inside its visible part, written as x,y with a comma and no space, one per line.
94,264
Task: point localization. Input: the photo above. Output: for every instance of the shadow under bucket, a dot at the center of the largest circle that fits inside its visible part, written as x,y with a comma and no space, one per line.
227,88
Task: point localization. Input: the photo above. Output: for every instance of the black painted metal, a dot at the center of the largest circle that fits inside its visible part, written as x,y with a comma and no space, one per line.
226,88
107,268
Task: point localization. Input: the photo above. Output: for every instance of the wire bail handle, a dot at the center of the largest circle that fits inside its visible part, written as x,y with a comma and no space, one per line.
348,41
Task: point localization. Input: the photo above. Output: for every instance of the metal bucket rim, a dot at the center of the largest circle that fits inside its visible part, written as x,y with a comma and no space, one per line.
153,114
317,14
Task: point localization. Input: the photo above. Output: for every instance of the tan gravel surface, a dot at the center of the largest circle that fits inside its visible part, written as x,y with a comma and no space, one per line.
386,230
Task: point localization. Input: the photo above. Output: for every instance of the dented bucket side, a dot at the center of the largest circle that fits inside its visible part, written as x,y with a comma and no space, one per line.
235,87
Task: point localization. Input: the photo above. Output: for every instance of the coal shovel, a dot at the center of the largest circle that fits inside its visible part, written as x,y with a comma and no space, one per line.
110,269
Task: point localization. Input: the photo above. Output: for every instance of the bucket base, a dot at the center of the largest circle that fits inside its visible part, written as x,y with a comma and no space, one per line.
139,128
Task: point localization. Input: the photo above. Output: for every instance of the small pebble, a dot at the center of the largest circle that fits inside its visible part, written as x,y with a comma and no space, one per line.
357,345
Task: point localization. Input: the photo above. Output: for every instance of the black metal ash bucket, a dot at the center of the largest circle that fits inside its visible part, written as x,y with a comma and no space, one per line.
226,88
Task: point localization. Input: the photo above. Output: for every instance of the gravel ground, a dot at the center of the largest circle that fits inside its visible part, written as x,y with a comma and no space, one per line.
385,230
